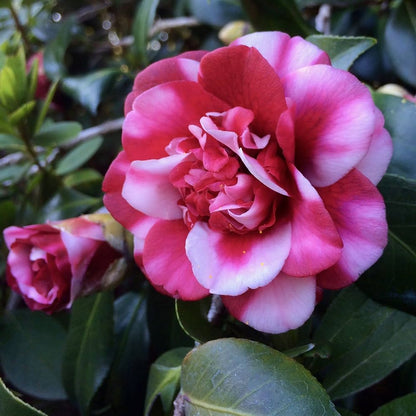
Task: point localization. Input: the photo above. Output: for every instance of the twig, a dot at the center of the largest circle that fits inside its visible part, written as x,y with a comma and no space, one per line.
174,23
107,127
20,27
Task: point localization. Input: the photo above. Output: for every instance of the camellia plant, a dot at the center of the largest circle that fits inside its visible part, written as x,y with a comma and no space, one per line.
208,208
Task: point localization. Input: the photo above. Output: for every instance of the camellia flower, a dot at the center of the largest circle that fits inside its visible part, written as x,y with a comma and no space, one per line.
249,172
51,265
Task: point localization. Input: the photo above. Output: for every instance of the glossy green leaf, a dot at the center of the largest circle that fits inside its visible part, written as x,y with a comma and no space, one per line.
143,20
66,203
90,89
164,379
21,113
13,173
400,40
9,141
367,341
78,156
32,80
54,54
343,50
17,63
400,121
127,378
31,352
82,176
403,406
54,134
11,405
192,317
392,280
8,97
45,106
216,12
282,15
89,348
240,377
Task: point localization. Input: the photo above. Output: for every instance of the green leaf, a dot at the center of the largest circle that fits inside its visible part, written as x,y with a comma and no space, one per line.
66,203
127,378
17,63
32,80
31,352
400,121
391,280
143,20
367,342
82,176
53,57
400,40
90,89
343,50
22,112
216,12
11,405
282,15
54,134
8,97
78,156
13,173
192,317
46,105
164,379
89,348
10,141
403,406
241,377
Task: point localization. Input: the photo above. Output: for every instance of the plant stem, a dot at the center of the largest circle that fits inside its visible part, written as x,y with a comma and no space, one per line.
20,27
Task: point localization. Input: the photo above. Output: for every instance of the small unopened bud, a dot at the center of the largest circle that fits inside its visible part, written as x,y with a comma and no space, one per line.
234,30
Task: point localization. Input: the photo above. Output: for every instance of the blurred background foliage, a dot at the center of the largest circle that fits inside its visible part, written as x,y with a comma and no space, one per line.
65,69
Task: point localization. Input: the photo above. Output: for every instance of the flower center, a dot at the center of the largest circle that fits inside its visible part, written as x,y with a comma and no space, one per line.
214,183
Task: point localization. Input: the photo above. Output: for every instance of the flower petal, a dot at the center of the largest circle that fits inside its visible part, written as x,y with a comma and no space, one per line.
229,264
147,187
375,162
165,261
163,113
165,70
335,121
284,304
247,80
284,54
119,208
358,211
316,244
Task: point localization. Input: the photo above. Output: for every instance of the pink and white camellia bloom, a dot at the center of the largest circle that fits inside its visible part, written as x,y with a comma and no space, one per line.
51,265
249,172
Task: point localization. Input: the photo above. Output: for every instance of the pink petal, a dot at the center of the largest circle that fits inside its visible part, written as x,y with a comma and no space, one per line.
195,55
316,244
335,121
166,264
119,208
162,114
165,70
358,211
375,162
284,54
284,304
147,187
242,77
229,264
257,170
